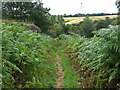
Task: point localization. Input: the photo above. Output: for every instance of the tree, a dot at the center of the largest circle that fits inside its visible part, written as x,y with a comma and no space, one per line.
88,27
29,11
40,16
103,23
53,19
107,21
60,19
118,6
17,10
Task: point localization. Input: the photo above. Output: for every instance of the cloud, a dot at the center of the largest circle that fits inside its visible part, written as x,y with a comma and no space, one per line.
75,6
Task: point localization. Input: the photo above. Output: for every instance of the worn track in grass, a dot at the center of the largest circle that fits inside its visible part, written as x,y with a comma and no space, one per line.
60,79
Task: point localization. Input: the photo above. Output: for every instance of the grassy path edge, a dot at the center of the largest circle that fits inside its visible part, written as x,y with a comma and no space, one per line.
71,77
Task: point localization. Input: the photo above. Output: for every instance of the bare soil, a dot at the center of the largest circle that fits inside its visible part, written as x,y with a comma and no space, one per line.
60,79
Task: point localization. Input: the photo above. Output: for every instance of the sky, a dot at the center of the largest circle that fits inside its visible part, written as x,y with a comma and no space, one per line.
60,7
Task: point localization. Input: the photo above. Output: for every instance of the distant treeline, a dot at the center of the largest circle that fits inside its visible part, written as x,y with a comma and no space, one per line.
94,14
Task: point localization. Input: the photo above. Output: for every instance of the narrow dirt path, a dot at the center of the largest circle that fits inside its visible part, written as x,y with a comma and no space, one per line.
60,79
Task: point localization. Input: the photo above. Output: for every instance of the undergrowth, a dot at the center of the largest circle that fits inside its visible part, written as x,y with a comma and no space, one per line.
98,57
28,58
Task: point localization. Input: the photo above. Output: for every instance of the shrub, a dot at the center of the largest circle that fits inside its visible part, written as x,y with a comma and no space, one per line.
88,27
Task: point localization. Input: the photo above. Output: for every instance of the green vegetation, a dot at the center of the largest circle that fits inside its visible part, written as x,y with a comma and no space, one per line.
53,25
89,50
85,27
29,59
26,58
103,23
58,26
98,57
71,77
27,11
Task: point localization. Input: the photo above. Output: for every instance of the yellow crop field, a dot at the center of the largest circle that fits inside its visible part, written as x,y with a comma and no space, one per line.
75,20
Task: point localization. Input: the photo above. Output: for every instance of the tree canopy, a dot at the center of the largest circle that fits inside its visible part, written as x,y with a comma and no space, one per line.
27,11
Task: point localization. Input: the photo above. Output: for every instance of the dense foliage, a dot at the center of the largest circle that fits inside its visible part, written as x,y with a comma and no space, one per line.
25,58
58,26
88,27
29,58
27,11
97,58
57,19
53,25
85,27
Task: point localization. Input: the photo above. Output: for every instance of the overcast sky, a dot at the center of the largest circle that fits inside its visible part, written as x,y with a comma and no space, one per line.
80,6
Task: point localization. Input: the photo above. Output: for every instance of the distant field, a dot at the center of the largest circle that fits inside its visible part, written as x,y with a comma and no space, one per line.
75,20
